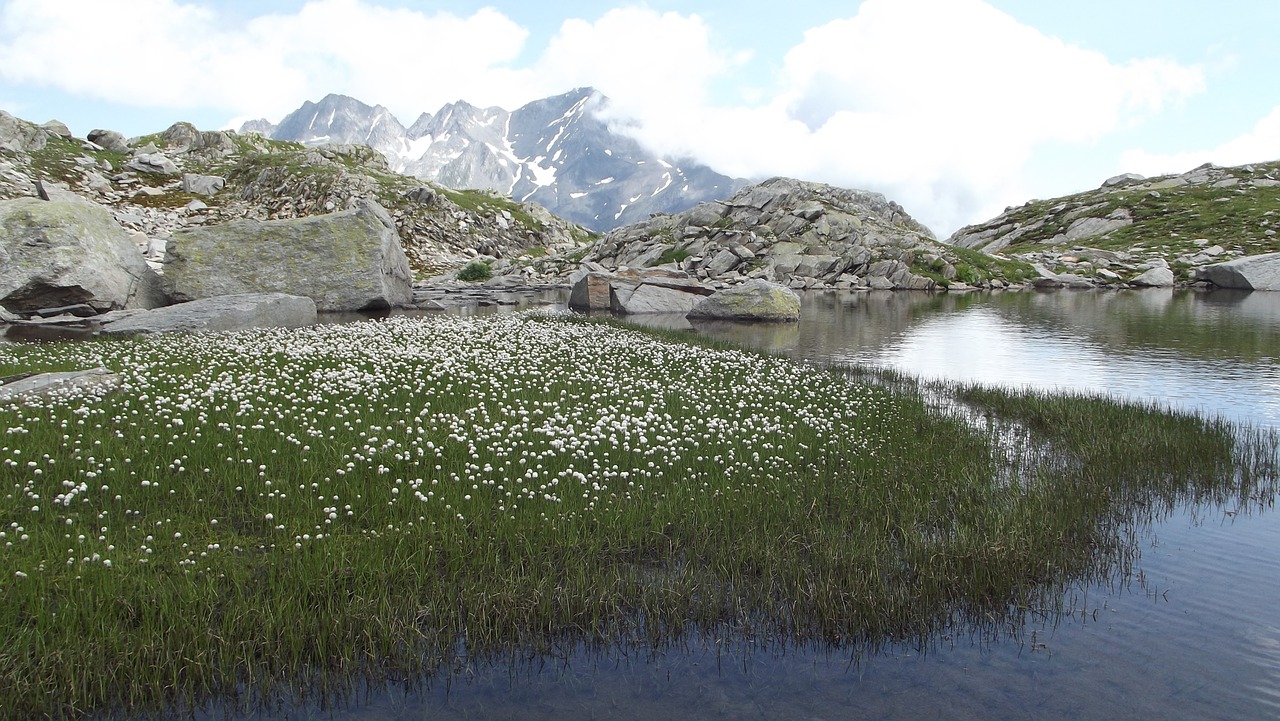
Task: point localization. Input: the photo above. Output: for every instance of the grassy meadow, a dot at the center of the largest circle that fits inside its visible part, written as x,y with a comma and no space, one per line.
291,512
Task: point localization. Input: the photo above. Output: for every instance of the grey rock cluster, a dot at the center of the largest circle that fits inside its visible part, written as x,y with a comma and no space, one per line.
790,232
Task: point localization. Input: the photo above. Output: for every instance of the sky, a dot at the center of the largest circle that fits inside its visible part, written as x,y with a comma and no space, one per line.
956,109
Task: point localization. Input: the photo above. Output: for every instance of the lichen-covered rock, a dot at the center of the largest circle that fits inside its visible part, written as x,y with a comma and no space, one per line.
755,300
67,251
347,261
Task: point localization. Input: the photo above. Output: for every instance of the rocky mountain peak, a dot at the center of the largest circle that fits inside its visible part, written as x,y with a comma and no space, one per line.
555,151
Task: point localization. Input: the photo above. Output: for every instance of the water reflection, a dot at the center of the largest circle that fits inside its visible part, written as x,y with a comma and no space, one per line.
1210,352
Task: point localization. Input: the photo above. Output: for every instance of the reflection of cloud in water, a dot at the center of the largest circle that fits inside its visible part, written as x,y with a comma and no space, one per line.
979,345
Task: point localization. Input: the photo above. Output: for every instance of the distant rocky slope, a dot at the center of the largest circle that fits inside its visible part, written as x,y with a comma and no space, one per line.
1143,231
556,152
182,178
806,235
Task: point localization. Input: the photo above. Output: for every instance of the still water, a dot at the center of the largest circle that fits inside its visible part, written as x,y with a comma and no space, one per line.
1196,636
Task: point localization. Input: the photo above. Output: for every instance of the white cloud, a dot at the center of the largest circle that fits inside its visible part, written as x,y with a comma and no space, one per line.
1262,143
165,54
640,59
940,104
937,103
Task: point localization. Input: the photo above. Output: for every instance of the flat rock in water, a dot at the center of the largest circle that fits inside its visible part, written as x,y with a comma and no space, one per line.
46,384
755,300
220,313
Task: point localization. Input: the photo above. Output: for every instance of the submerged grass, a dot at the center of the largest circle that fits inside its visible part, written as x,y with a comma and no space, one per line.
277,512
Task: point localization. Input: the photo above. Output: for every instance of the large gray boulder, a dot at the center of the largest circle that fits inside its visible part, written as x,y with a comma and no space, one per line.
220,313
755,300
68,251
654,290
347,261
1158,277
591,291
1254,272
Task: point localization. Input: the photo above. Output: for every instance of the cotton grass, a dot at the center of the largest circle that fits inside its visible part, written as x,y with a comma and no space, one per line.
293,511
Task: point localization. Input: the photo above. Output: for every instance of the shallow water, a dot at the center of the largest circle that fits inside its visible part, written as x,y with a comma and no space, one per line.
1196,636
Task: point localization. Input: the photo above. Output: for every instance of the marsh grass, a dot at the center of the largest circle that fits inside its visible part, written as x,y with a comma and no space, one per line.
278,513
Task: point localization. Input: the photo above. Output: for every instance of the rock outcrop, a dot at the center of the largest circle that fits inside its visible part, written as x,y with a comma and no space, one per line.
800,234
755,300
1256,272
1141,231
70,252
221,313
348,261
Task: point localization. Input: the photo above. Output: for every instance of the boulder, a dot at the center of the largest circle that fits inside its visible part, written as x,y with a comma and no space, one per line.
202,184
654,290
347,261
220,313
1254,272
646,298
108,140
591,292
63,383
68,251
755,300
1155,278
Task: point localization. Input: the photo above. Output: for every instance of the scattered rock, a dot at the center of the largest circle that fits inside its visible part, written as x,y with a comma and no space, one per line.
591,291
153,163
108,140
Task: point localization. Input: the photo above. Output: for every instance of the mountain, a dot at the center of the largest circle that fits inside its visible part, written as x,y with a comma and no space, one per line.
557,152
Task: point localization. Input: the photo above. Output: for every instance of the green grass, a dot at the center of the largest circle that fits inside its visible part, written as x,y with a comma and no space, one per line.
673,255
475,272
281,512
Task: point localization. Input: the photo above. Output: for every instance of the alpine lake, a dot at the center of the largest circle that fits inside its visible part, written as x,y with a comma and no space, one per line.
1186,628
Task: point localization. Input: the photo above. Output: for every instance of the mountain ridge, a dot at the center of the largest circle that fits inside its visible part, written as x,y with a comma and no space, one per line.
555,151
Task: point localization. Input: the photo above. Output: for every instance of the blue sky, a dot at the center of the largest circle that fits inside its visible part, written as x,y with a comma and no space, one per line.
954,108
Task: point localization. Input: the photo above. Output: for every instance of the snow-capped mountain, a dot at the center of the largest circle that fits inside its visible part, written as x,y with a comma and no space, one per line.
556,152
